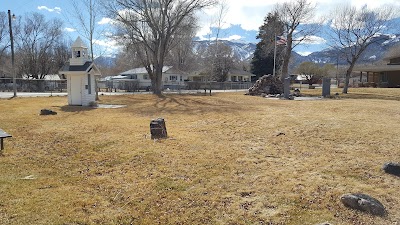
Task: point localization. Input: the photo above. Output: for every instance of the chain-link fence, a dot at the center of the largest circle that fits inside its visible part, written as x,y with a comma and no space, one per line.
33,85
136,86
40,85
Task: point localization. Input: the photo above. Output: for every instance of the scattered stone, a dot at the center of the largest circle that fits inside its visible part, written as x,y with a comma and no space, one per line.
392,168
363,203
158,129
45,112
296,92
267,85
324,223
30,177
280,133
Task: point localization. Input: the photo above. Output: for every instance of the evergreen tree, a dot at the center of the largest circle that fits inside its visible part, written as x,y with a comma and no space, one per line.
263,60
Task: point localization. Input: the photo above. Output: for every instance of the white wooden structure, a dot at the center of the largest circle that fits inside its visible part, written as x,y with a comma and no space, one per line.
80,72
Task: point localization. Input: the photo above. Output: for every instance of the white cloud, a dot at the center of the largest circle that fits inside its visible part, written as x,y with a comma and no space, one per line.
250,14
55,9
313,40
104,20
68,29
109,46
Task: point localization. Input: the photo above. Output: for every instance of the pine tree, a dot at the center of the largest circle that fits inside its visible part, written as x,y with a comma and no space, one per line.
263,60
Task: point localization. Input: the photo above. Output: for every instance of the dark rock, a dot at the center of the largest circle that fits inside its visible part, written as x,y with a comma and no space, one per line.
296,92
45,112
158,129
392,168
363,203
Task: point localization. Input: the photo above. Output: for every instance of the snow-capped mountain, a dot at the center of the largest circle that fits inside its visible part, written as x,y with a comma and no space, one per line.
374,53
242,50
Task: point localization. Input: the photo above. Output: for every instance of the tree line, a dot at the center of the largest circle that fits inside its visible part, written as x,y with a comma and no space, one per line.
154,33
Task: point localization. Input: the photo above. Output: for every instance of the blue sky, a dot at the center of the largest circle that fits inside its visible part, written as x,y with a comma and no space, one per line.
241,21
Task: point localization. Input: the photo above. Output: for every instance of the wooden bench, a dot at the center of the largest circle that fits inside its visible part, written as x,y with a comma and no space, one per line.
3,135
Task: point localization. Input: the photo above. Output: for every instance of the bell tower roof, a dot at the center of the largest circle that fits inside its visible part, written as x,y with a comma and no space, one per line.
78,43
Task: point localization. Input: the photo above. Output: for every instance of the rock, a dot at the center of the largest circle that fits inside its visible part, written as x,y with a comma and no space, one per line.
267,85
324,223
392,168
45,112
363,203
296,92
158,129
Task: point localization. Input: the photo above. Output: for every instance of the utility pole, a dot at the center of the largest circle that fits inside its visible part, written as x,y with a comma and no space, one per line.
12,54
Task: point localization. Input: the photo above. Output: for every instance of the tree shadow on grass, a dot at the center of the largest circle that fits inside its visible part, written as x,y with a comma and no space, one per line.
191,104
71,108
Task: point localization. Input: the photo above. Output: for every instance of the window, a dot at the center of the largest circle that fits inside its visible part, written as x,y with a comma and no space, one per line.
77,54
145,76
173,78
133,76
181,78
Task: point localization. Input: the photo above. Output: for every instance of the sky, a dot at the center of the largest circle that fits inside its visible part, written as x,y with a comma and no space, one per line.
241,21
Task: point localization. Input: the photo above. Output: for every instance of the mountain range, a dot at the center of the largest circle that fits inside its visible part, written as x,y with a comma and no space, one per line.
244,51
374,53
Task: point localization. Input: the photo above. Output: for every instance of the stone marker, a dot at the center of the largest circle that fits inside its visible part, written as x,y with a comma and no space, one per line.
286,88
296,92
45,112
392,168
158,129
326,87
364,203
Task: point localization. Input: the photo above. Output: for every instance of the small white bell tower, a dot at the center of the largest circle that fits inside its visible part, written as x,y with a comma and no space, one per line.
79,53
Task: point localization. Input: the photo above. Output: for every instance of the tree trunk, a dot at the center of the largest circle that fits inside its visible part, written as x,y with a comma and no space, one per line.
285,66
157,81
347,80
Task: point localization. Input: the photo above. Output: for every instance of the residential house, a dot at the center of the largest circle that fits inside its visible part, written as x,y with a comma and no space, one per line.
382,75
171,78
234,75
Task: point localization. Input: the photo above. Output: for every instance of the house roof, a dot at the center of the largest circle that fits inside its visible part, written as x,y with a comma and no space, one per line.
87,67
382,68
234,72
68,67
142,70
240,72
47,77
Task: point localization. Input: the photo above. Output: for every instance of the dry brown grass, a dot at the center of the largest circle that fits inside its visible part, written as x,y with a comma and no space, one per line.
223,162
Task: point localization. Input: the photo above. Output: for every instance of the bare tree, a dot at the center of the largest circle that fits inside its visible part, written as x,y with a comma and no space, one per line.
35,40
314,72
150,26
353,30
86,20
181,55
86,13
222,60
4,41
297,17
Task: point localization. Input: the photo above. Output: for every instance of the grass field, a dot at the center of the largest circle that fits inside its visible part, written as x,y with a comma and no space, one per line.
229,159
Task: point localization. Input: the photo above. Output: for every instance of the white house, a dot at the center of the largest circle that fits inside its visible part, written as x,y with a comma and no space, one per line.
80,72
234,75
170,77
